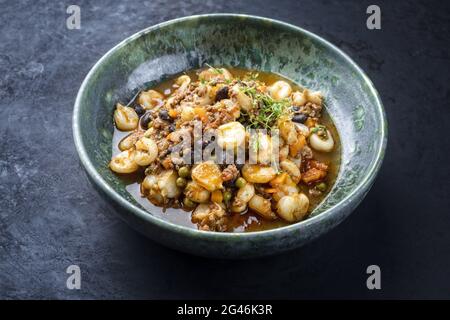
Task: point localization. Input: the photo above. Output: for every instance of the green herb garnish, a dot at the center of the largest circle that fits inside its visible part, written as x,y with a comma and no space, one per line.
320,130
252,76
215,70
266,109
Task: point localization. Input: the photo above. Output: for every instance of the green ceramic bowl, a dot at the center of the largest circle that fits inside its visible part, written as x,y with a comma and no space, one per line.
249,42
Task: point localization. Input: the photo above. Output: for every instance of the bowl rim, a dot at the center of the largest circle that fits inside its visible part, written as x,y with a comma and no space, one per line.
361,188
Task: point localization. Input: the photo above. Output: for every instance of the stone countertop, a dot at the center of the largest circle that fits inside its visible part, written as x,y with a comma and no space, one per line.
51,216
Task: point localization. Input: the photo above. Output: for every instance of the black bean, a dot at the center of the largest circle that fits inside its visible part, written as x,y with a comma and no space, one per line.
295,108
230,183
172,127
300,118
164,115
139,109
222,93
145,120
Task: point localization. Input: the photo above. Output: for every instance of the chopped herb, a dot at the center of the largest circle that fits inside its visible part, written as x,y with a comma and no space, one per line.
320,130
215,70
251,76
267,109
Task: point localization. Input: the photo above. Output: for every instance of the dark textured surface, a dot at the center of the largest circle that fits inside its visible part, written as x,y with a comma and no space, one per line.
51,216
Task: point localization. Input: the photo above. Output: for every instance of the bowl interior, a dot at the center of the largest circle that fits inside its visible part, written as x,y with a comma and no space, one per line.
248,42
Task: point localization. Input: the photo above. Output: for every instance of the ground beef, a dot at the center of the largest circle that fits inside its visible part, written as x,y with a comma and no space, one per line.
317,165
153,168
163,147
315,171
167,163
313,175
306,153
217,116
211,218
306,156
230,173
312,110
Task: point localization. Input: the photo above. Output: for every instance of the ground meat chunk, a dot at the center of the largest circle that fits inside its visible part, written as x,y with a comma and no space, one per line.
311,110
306,155
313,175
315,172
318,165
167,163
230,173
218,116
210,217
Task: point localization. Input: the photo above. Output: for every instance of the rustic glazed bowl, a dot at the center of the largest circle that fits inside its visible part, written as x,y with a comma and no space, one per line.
244,41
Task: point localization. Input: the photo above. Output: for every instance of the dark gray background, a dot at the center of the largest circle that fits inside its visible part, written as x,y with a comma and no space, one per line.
51,217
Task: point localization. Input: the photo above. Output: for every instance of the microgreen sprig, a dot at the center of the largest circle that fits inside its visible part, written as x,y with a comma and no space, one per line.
215,70
267,110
